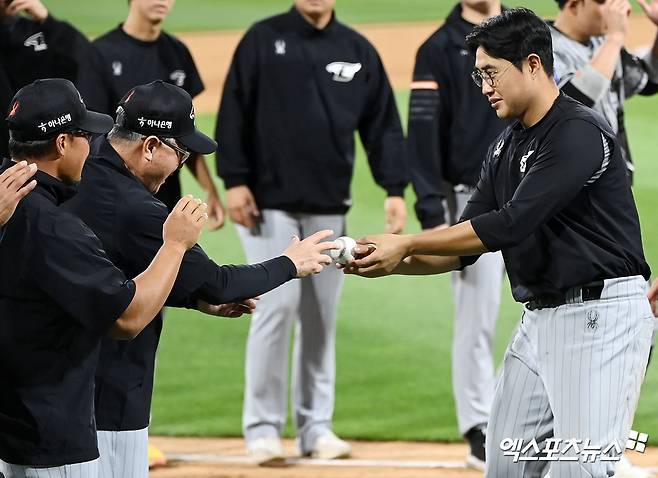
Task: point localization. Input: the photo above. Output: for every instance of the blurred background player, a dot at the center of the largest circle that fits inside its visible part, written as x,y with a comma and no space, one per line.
450,128
137,52
592,65
300,84
115,200
33,45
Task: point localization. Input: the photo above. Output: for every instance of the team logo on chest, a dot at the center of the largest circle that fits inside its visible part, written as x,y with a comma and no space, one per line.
343,71
524,161
36,41
499,148
117,68
178,77
280,47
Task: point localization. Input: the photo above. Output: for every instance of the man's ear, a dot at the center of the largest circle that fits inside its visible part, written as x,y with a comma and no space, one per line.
148,147
535,64
61,144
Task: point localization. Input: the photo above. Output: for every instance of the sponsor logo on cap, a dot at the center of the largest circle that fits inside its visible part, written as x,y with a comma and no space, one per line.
154,123
55,123
192,113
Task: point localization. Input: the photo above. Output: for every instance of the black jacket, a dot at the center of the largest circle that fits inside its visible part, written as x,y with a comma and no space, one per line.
59,295
451,123
128,220
555,198
292,101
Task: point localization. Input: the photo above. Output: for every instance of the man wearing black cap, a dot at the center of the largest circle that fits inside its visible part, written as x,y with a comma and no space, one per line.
116,201
60,294
137,52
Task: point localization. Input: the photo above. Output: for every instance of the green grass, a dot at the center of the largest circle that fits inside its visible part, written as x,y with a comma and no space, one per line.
394,334
95,18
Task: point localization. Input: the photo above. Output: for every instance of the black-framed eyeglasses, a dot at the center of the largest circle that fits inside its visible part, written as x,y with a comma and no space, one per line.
82,134
183,154
488,76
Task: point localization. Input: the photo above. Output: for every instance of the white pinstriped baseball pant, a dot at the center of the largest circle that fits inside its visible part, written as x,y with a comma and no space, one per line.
572,373
123,454
87,469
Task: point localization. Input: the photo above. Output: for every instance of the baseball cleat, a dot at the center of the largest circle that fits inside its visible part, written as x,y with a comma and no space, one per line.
156,457
329,447
267,451
476,457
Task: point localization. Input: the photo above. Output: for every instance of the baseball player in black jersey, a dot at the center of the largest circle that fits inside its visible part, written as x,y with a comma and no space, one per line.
60,294
300,85
554,196
450,126
115,194
34,45
137,52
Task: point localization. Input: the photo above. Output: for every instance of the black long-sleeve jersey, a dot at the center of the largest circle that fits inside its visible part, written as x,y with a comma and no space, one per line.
450,123
128,221
555,198
292,101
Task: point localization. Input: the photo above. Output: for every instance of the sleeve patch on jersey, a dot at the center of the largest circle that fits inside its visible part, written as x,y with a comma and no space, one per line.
424,85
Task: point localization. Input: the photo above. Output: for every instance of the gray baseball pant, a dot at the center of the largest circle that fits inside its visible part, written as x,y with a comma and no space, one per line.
572,373
87,469
476,294
123,454
310,304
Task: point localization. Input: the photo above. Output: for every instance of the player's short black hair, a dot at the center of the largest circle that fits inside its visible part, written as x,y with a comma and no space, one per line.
561,3
512,36
31,149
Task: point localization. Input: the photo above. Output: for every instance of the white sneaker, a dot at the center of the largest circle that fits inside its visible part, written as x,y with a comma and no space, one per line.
266,451
329,447
625,469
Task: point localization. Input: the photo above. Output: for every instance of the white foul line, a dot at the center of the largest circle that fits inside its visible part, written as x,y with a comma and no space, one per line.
352,463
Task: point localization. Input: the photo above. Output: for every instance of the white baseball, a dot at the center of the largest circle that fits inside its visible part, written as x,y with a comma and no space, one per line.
347,252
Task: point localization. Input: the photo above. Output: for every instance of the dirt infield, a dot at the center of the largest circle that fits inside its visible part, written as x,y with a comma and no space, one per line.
396,43
225,458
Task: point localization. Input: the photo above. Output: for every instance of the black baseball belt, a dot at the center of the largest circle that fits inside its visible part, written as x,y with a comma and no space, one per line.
591,291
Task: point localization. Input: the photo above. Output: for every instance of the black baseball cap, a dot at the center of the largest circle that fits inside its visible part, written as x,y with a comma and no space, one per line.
165,110
48,107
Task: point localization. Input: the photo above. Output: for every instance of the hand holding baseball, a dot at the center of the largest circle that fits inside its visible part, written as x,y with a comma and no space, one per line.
184,224
378,255
309,255
13,188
